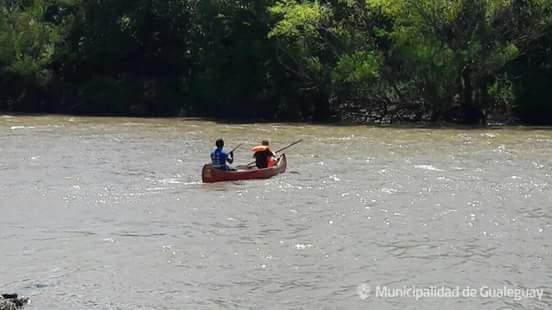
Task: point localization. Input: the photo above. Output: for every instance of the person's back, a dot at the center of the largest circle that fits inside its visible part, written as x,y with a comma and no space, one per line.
219,157
263,155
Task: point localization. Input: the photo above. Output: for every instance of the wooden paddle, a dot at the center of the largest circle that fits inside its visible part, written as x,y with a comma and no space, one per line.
278,151
287,147
234,149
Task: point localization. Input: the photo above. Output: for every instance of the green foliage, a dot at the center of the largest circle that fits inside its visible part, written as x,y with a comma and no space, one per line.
299,20
26,41
531,85
451,60
235,73
27,47
456,49
360,67
502,91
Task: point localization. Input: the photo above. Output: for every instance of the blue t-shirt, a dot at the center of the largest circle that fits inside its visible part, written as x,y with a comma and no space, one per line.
219,158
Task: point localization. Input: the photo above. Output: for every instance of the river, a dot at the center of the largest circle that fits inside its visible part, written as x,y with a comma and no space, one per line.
110,213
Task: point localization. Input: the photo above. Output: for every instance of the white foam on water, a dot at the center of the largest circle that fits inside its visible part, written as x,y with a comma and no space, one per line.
192,183
21,127
428,167
489,135
334,178
155,189
169,181
389,190
457,168
301,246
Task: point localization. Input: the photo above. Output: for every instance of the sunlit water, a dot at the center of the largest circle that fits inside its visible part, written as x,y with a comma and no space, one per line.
104,213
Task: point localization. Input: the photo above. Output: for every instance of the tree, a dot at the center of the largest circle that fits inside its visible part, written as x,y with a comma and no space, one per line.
456,50
235,78
27,45
129,59
306,46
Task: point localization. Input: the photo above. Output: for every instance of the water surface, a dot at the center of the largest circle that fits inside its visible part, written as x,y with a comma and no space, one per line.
110,213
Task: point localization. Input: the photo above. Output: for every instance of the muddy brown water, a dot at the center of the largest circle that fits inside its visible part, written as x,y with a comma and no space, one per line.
110,213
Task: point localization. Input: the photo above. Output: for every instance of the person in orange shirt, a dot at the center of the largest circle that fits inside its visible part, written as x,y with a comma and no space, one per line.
264,157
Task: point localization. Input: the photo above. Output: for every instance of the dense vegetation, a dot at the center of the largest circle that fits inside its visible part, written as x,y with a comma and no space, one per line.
378,60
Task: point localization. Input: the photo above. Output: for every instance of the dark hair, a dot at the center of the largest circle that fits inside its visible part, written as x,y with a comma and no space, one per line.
265,142
219,143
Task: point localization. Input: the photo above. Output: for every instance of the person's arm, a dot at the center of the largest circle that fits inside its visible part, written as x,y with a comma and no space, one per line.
230,158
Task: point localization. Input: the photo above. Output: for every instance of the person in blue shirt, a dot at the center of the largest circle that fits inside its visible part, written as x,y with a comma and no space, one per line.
219,157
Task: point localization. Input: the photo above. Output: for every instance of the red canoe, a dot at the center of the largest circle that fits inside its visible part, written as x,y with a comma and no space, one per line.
212,175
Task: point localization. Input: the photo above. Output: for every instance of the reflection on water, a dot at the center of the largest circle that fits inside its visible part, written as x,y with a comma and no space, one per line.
105,213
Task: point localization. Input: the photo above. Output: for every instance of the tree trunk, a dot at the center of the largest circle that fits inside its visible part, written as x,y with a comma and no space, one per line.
321,106
471,110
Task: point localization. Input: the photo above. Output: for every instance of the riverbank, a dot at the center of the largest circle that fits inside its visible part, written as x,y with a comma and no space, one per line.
493,122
